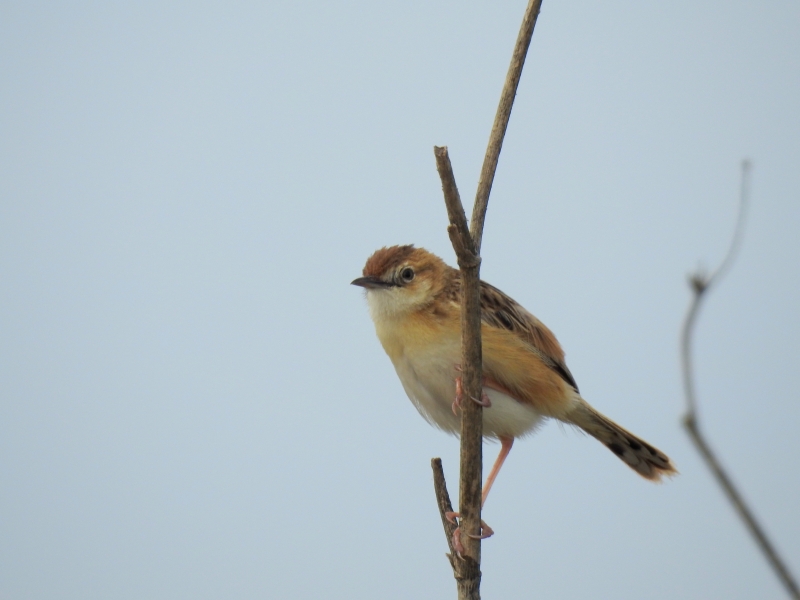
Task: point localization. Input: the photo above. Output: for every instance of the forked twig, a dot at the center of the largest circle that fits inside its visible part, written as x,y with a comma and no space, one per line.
700,283
467,244
467,568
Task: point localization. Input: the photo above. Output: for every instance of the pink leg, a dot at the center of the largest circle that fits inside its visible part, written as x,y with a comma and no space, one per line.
506,444
505,449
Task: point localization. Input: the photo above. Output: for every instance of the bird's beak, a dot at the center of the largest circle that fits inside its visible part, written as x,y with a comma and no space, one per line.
371,283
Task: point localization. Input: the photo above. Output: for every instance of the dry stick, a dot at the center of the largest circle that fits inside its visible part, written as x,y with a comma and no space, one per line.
443,501
467,247
501,120
700,284
467,570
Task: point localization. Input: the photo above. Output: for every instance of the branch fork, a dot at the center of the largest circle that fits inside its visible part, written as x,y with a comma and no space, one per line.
701,283
466,242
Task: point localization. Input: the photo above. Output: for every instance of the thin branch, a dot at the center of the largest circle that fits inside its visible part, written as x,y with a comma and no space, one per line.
501,120
744,511
444,504
458,229
468,577
467,247
738,231
467,570
700,284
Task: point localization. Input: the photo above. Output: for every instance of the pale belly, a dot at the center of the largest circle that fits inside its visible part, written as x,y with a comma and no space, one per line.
429,381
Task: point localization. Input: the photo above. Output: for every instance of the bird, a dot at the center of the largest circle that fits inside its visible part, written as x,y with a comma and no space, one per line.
414,299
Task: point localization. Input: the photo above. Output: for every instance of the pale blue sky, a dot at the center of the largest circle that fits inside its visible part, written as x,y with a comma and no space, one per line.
193,403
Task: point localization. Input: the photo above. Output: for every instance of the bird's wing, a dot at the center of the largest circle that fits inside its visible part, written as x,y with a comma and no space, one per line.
502,312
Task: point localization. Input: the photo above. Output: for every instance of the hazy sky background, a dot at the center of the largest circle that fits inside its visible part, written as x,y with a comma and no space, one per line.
193,403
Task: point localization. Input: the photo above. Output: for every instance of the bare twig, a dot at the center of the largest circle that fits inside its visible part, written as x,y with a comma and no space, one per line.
700,283
467,245
468,576
458,229
501,120
467,570
445,506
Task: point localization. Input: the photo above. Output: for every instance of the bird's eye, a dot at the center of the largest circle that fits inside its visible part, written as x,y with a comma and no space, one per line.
407,274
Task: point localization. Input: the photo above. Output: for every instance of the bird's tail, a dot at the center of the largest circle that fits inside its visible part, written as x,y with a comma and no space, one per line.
640,456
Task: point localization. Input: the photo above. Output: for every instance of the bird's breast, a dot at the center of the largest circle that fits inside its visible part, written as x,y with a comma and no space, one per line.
425,357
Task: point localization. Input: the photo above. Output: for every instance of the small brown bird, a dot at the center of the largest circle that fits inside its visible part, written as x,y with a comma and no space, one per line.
414,299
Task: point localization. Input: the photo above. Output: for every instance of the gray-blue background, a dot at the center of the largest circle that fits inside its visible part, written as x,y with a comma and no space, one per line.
193,403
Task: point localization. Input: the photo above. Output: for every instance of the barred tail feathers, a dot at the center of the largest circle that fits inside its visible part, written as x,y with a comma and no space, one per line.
647,461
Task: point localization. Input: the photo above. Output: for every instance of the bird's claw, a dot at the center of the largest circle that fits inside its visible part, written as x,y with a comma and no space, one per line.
485,402
459,393
486,532
457,545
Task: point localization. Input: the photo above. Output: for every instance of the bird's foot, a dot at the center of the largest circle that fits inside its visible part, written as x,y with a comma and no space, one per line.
486,532
485,402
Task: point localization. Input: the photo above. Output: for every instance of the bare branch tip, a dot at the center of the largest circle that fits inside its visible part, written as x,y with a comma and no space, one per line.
700,281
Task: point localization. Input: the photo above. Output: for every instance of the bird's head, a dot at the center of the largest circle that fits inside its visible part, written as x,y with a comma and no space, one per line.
402,279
